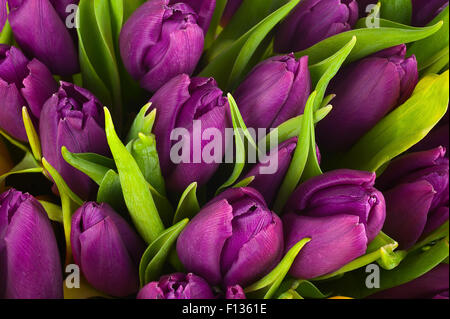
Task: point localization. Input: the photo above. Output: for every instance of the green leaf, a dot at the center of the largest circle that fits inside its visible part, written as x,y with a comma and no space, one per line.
143,123
215,21
389,34
188,205
403,127
54,212
27,165
155,256
267,286
110,191
397,10
136,192
299,158
240,133
32,135
228,66
434,48
143,150
15,142
245,182
441,232
93,165
69,203
249,14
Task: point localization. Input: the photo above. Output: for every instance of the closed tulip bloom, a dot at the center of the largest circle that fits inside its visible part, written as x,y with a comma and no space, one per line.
416,187
177,286
41,33
22,83
424,11
313,21
341,212
179,103
30,266
235,239
366,91
107,249
160,41
204,10
73,117
433,285
235,292
274,91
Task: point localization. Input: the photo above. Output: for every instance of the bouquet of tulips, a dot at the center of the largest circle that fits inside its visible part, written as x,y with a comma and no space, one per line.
128,170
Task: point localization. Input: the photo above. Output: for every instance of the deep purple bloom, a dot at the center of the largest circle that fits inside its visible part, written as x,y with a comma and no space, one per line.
313,21
3,14
204,10
73,118
274,91
366,91
41,33
341,212
235,292
30,266
107,249
160,41
433,285
177,286
179,103
424,11
235,239
22,83
416,187
230,9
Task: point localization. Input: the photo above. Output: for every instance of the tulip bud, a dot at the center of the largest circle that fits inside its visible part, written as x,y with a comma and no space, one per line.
235,292
341,212
433,285
191,106
313,21
230,9
107,249
274,91
41,33
160,41
204,10
366,91
73,117
30,266
177,286
417,195
424,11
22,83
235,239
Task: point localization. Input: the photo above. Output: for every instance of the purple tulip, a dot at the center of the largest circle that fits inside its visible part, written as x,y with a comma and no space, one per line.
417,195
274,91
313,21
73,118
230,9
235,239
341,212
107,249
22,83
41,33
177,286
179,103
433,285
235,292
424,11
30,266
204,10
160,41
62,7
366,91
3,14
